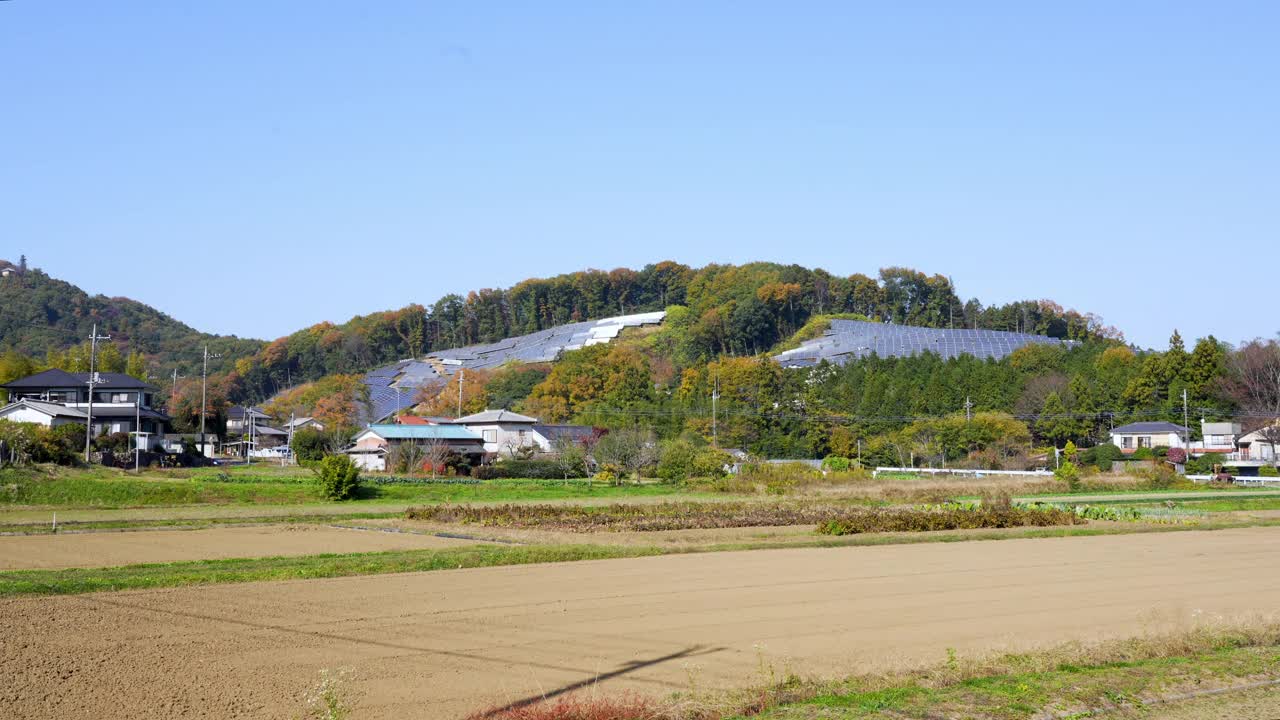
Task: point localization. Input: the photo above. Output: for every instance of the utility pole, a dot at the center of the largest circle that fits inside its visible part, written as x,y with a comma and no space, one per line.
137,432
715,412
1186,424
248,453
285,456
173,395
204,382
462,372
968,409
94,337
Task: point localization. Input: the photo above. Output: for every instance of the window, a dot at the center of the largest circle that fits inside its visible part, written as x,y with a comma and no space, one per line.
1144,441
491,436
1126,442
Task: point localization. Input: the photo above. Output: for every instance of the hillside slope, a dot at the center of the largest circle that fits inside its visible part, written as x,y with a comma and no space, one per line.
43,314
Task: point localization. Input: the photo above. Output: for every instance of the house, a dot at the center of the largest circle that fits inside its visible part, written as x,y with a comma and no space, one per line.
121,403
7,268
503,431
304,423
548,437
1216,437
172,443
370,446
1134,436
1258,447
240,418
42,413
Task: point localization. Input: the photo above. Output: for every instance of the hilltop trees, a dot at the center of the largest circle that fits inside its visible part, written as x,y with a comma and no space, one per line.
601,380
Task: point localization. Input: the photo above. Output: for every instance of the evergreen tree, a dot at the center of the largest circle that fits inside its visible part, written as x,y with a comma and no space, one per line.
1205,366
1054,424
1175,359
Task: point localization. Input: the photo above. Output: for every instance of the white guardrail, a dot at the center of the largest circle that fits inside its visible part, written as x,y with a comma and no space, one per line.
962,471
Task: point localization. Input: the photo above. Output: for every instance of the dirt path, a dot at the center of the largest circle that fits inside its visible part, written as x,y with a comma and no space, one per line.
109,549
442,644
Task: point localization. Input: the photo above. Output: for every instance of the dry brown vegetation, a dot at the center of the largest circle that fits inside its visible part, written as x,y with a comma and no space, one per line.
832,518
914,490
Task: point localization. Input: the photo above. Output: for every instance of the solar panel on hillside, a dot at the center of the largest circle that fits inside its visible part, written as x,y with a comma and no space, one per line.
847,339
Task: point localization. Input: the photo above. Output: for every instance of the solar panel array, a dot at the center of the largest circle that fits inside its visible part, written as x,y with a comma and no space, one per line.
852,339
395,387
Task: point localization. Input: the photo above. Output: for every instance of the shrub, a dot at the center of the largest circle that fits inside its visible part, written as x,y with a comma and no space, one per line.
1143,454
1205,464
310,445
681,460
1177,456
1102,456
61,445
676,461
113,443
1070,474
338,477
836,463
536,468
1268,471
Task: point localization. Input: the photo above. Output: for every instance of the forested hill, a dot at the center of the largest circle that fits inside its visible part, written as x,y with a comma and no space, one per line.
712,311
42,315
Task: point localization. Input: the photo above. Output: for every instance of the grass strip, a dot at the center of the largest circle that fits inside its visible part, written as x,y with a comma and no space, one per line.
15,583
1069,688
1115,678
74,526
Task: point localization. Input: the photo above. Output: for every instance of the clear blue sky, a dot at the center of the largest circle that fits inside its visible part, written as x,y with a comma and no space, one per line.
255,167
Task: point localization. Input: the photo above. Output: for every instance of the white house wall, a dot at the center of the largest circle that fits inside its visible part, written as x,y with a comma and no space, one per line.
29,415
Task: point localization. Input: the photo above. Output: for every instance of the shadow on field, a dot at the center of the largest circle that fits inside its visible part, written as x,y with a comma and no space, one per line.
634,665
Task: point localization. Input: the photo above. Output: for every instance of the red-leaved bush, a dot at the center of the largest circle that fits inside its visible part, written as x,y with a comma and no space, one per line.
1176,456
575,707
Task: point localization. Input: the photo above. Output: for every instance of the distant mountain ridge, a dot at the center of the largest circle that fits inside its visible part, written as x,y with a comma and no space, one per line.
43,314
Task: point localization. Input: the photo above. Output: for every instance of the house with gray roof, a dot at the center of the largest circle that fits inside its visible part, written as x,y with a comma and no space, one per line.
120,403
1134,436
371,445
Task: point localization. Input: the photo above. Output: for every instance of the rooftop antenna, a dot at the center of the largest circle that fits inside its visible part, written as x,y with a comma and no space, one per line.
94,337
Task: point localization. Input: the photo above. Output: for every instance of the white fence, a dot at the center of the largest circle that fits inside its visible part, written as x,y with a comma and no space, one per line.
961,471
1254,481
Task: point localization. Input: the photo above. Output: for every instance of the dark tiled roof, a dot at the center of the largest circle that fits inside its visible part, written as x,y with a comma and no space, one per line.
62,379
1150,427
116,411
573,432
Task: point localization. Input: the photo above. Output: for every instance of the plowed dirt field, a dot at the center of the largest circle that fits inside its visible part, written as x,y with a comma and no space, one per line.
442,644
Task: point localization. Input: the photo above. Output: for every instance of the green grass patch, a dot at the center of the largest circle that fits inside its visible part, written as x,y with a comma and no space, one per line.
203,572
82,580
1131,673
107,488
1232,504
